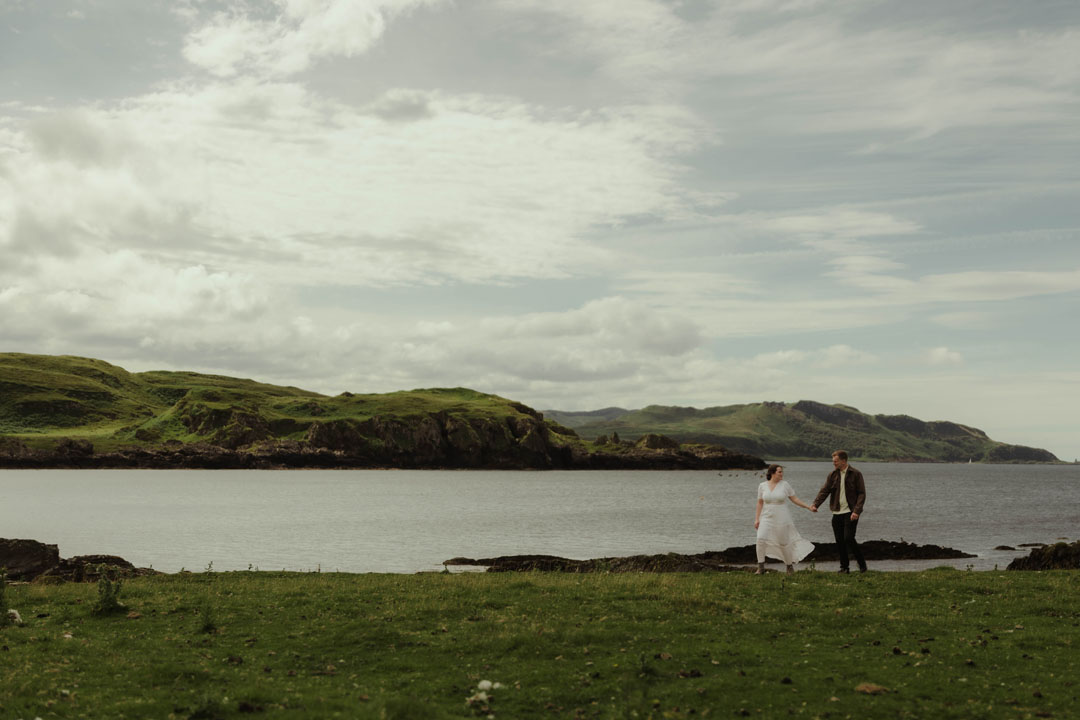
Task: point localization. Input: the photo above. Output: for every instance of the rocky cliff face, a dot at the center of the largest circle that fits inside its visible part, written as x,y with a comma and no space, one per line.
434,440
442,440
1019,453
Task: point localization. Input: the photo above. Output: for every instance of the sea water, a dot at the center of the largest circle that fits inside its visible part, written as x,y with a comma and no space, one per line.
409,520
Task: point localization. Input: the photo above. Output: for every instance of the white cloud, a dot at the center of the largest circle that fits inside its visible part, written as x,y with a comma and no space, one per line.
865,264
838,356
943,356
304,32
483,188
833,223
834,356
780,358
610,340
976,285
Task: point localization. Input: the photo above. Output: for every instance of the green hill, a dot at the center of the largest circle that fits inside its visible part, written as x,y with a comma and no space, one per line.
81,412
807,429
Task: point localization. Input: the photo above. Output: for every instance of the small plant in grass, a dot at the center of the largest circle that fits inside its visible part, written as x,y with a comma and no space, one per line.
206,615
109,586
208,708
3,600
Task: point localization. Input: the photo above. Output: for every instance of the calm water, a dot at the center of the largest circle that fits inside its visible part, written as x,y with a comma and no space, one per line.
406,521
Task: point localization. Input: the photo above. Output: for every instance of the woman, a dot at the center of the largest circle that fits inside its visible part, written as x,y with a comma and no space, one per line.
776,533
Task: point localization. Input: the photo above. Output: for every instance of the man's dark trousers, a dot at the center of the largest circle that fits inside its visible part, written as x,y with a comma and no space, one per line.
843,528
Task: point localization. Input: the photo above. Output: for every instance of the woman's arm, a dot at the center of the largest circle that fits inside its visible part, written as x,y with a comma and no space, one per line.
757,514
795,499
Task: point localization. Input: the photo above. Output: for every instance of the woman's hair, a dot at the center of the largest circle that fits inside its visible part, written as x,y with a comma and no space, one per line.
772,469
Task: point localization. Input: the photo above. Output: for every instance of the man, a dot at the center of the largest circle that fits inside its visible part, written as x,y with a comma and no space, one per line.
847,493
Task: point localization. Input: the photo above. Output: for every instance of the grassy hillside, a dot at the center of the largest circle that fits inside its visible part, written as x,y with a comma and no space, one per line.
66,411
808,429
45,397
936,644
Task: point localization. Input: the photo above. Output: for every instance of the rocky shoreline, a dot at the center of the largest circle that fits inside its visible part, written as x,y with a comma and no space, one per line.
526,448
733,558
33,561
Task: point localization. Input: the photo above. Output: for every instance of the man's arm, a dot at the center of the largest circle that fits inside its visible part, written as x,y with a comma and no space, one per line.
860,496
822,494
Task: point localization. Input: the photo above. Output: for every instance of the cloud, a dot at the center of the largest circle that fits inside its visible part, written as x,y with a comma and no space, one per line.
263,174
864,264
965,287
788,66
834,356
982,285
608,340
78,137
943,356
833,223
303,32
838,356
403,105
114,301
965,320
690,285
780,358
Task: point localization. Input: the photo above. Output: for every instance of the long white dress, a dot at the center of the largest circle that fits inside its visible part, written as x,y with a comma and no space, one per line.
776,528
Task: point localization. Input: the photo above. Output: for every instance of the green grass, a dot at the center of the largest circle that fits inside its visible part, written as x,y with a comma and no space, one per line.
943,643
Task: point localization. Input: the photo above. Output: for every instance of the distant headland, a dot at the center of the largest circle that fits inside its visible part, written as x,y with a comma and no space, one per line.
805,430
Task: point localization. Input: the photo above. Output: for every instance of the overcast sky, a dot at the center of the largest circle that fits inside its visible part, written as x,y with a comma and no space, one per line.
572,203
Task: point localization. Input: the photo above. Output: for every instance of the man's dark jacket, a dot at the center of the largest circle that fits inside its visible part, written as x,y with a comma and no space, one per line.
854,490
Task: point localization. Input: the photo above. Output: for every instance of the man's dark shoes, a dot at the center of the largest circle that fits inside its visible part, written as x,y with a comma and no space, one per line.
843,570
862,568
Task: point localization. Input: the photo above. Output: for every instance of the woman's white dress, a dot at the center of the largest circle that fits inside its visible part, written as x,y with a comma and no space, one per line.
776,528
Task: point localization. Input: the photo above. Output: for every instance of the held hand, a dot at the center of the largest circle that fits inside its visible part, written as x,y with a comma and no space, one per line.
854,516
813,508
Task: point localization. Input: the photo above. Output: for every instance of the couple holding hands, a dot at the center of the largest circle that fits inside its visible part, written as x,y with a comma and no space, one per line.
776,533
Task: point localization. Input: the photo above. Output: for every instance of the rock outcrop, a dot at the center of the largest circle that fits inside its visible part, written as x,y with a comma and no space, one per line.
654,441
1059,556
28,560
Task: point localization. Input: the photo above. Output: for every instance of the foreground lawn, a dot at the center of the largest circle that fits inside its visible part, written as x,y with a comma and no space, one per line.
937,644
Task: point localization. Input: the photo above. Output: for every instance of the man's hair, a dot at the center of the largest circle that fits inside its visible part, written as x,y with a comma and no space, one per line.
771,471
842,454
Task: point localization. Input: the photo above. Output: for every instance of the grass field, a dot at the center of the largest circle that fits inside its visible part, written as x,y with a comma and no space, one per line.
937,644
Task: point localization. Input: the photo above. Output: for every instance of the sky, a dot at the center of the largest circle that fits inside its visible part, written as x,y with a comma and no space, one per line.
572,203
